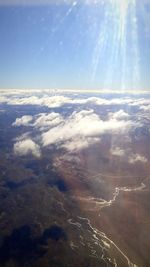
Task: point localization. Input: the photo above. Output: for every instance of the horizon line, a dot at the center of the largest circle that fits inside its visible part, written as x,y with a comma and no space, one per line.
121,91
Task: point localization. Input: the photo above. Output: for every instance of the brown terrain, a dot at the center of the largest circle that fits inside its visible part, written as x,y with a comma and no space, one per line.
124,215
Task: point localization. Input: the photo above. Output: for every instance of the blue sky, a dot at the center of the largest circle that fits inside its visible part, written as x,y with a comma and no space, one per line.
75,45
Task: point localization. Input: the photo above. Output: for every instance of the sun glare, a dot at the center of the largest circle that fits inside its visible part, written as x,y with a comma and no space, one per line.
121,15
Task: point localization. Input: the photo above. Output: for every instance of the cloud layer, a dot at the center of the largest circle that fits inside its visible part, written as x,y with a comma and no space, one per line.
17,97
80,129
77,131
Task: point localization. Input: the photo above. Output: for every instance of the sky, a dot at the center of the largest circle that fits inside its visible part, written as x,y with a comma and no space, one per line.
84,44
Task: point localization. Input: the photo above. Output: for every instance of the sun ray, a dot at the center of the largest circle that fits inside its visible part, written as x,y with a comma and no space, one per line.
123,36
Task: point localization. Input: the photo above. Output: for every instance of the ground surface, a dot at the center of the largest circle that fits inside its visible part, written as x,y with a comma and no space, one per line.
74,180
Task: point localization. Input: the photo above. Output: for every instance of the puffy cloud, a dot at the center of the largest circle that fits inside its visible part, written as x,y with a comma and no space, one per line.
137,157
145,108
84,128
23,121
41,121
80,143
141,101
44,121
69,158
3,99
128,155
117,151
45,100
104,102
25,147
120,115
48,101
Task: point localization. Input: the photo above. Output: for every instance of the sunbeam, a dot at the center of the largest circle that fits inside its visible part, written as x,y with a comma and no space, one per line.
118,39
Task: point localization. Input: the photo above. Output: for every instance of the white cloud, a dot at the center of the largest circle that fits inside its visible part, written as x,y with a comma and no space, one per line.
84,128
48,99
145,108
41,121
44,121
80,143
25,147
128,155
137,157
117,151
119,115
69,158
23,121
3,99
80,129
